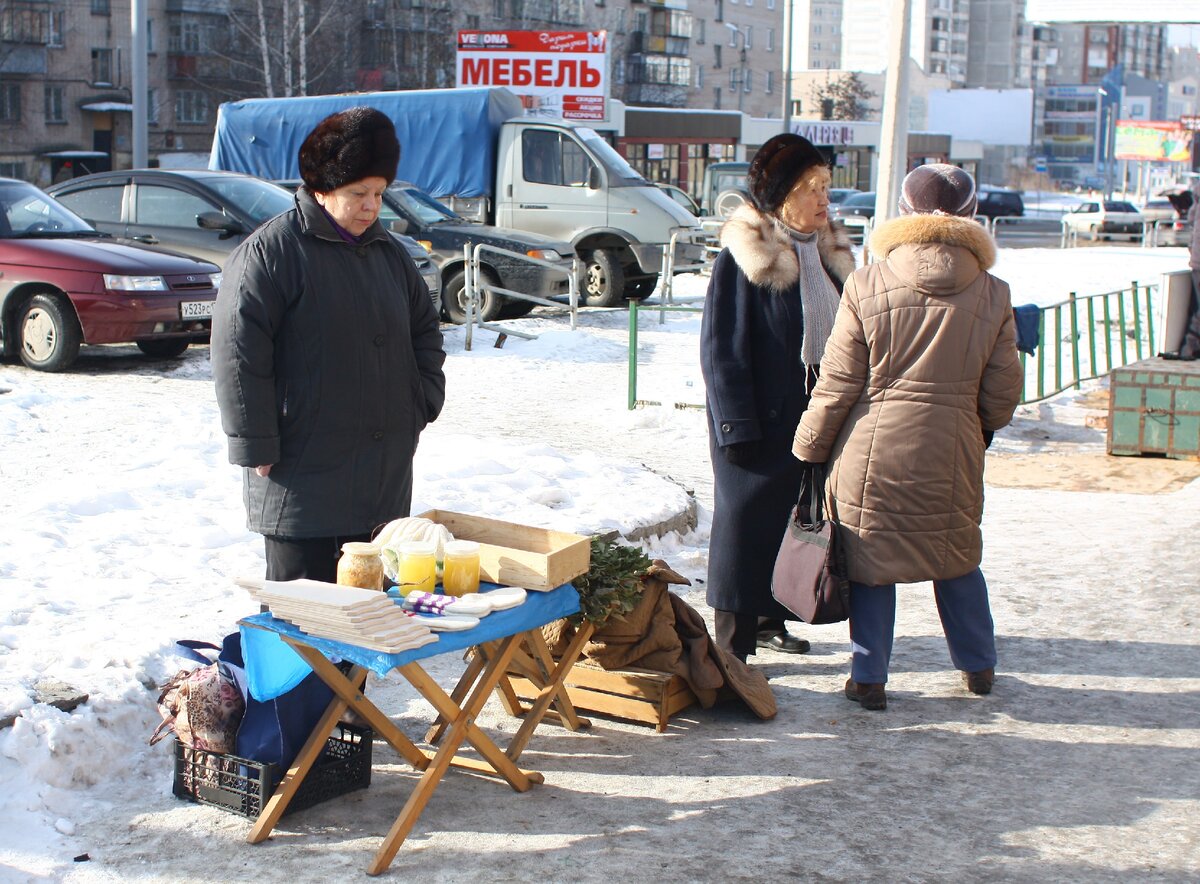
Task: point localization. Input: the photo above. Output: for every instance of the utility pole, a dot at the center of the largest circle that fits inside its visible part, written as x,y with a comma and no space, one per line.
140,88
893,136
787,65
741,86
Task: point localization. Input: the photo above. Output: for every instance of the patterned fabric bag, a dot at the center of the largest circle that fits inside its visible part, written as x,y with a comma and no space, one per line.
203,707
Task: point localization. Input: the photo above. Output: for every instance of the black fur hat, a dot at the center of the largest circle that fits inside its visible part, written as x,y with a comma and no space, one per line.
776,167
347,147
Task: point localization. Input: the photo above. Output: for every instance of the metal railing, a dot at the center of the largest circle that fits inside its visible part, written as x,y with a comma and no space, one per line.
1081,338
476,282
1152,232
670,268
1113,325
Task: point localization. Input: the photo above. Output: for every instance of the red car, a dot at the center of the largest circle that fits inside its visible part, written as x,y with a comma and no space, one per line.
63,284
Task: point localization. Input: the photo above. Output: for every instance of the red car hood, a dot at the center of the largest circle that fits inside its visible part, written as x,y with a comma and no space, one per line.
100,255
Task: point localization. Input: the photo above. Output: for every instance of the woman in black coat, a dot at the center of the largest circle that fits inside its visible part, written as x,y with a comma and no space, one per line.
771,302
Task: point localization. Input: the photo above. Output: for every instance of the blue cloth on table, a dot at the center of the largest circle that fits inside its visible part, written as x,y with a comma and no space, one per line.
273,667
1028,318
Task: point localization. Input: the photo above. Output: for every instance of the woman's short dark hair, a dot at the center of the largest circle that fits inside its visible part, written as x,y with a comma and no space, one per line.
777,166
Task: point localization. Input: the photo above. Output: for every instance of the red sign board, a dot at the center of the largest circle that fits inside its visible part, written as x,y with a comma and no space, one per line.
561,72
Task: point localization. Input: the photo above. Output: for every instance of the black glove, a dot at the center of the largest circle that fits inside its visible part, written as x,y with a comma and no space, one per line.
987,438
741,453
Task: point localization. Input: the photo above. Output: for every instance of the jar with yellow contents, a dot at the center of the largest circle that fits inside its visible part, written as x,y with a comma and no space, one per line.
460,567
360,566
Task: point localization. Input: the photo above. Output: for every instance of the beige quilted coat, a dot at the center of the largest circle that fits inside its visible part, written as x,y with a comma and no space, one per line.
922,359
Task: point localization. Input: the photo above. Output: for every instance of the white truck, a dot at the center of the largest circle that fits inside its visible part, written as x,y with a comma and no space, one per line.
475,150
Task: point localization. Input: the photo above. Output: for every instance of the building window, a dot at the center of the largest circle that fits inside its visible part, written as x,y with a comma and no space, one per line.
748,81
100,7
719,14
700,33
716,97
54,104
191,107
748,33
771,4
12,170
621,21
699,77
735,79
10,102
770,39
188,37
152,107
56,26
716,55
102,67
498,9
770,82
472,23
518,9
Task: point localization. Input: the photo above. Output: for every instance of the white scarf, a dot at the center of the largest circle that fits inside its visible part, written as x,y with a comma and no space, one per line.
818,298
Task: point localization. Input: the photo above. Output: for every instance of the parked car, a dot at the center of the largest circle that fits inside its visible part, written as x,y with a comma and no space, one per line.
1105,218
680,196
410,210
997,202
855,212
1168,213
723,188
194,211
64,284
839,194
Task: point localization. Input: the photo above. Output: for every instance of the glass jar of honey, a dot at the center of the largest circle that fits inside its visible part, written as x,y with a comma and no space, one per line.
360,566
460,567
417,571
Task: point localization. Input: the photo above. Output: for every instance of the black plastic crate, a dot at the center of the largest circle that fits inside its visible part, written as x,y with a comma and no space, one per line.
244,786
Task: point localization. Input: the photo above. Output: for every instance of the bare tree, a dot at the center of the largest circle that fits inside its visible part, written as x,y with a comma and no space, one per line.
846,98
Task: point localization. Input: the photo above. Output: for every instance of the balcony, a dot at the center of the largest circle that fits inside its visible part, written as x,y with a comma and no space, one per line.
199,7
22,59
640,42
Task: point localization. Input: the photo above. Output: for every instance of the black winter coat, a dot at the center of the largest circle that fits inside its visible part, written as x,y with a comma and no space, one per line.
750,341
327,358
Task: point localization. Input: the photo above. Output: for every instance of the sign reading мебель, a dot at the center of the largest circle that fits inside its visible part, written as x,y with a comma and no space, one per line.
1138,140
560,72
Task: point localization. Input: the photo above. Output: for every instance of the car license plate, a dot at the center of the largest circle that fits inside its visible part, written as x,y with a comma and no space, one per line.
195,309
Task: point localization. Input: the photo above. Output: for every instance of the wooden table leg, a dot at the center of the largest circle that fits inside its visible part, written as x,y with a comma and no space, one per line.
470,674
462,726
553,691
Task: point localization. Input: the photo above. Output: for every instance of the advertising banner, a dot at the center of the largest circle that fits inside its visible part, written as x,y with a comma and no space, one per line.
1153,141
559,72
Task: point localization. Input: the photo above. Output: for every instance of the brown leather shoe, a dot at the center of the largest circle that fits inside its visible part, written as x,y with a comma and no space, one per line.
869,696
980,682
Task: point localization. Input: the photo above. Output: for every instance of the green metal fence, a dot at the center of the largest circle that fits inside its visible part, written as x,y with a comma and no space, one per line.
1086,336
1081,338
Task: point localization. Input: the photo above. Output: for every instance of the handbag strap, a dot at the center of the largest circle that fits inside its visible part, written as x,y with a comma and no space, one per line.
190,648
812,483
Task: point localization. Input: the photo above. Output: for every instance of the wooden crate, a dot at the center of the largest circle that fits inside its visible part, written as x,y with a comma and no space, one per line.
1154,408
519,555
633,694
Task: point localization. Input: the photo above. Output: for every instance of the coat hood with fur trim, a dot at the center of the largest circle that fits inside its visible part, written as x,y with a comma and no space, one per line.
763,250
927,251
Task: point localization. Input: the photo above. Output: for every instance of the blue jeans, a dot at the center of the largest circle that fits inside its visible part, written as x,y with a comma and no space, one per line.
962,604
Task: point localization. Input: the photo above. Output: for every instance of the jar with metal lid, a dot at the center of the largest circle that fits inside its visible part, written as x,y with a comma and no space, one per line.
460,569
360,566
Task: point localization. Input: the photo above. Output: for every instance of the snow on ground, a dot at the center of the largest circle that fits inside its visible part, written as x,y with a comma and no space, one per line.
124,529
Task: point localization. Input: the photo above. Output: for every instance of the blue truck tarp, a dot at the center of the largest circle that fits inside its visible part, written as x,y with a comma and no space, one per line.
447,136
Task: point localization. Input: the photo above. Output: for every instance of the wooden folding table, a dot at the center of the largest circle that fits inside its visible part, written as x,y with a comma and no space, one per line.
500,638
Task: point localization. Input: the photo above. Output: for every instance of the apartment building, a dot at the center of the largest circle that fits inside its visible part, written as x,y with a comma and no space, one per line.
938,39
65,75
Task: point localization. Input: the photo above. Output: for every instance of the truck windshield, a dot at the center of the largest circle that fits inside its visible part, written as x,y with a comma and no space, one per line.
620,173
420,205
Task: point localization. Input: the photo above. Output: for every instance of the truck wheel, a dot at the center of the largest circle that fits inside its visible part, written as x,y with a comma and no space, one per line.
641,288
164,348
454,299
50,333
603,280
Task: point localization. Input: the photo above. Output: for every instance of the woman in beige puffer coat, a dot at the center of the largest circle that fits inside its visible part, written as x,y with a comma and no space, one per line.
921,364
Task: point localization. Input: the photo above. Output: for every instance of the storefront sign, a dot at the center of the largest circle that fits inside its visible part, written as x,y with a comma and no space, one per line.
654,151
825,134
561,72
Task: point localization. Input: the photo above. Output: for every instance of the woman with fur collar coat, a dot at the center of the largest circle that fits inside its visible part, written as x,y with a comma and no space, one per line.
921,363
771,303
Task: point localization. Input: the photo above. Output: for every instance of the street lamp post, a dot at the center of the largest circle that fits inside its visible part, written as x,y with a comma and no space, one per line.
787,65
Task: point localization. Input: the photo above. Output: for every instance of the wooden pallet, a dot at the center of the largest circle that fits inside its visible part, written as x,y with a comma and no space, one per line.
632,694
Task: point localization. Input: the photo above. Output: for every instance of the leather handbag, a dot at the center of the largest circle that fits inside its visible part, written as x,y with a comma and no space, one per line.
810,572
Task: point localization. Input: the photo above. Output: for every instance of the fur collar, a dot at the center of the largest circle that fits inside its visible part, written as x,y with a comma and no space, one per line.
763,250
944,229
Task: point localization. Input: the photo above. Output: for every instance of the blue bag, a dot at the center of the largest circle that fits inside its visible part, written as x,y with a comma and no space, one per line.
273,731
